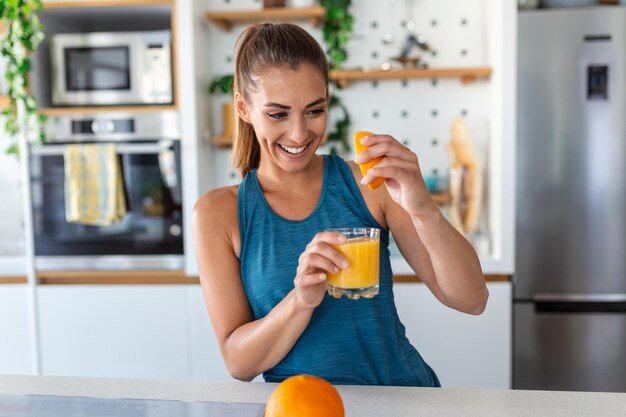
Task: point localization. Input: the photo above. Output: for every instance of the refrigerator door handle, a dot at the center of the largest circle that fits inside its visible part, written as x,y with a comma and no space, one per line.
581,298
580,303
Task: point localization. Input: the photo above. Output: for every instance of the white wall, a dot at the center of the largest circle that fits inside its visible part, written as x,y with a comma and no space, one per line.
462,33
11,231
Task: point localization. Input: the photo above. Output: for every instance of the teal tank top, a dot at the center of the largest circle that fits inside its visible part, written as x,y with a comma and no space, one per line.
356,342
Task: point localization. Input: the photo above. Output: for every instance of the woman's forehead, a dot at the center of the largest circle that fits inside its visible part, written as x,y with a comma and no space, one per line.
287,84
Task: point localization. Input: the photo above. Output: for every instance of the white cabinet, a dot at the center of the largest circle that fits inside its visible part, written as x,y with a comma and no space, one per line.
114,331
464,350
163,331
205,352
14,333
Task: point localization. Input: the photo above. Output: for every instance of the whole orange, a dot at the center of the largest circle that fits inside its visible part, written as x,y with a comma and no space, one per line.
304,396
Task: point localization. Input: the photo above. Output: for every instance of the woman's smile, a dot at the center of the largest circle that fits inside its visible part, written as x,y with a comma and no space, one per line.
293,152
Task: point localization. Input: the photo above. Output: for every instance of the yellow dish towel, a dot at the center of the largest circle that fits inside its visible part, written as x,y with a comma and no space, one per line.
94,192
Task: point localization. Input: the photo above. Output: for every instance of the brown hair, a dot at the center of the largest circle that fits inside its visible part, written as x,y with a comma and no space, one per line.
261,46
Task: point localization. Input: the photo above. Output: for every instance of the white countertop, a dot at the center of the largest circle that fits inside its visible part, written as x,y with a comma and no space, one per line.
359,401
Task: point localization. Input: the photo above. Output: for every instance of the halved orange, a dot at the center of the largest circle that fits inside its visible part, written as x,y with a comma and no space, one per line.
359,147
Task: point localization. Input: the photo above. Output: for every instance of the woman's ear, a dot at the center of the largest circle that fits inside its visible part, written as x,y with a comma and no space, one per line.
241,108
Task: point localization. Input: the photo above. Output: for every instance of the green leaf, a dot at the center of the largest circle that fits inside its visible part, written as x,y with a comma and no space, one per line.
24,34
12,149
222,84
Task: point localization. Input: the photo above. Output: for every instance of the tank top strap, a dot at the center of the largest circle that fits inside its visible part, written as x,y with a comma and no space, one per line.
341,180
248,200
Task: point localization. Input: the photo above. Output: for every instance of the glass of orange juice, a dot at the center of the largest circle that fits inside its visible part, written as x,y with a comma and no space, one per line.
360,279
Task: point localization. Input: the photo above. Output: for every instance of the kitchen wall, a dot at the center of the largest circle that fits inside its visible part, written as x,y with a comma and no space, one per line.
419,112
416,111
79,337
11,224
11,231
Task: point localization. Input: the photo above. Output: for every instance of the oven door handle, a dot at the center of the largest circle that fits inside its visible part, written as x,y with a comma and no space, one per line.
123,148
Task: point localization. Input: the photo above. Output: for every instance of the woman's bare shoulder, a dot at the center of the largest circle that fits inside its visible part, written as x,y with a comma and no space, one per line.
220,203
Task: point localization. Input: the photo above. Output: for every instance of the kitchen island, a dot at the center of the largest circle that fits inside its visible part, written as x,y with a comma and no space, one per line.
360,401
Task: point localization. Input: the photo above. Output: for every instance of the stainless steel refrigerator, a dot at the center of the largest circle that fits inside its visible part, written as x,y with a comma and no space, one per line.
570,280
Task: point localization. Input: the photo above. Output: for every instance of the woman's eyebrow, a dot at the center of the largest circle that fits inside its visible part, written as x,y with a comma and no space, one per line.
283,106
313,103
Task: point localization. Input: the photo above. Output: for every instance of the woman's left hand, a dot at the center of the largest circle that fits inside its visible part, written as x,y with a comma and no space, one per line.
400,168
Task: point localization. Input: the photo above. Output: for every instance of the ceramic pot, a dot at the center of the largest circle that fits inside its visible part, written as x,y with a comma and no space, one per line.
273,3
228,120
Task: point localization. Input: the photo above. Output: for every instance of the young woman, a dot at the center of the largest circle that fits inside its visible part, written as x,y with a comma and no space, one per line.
262,251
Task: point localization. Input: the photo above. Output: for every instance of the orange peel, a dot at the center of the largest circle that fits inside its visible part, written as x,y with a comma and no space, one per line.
364,167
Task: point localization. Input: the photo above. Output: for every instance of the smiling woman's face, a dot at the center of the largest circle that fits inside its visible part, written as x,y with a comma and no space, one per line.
288,113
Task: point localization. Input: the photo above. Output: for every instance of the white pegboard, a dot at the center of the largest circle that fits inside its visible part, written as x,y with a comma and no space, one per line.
416,111
463,33
419,111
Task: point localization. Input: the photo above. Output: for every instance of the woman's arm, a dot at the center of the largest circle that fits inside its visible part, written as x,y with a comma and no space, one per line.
443,259
248,346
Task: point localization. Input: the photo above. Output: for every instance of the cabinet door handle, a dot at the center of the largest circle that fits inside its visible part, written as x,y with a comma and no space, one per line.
149,148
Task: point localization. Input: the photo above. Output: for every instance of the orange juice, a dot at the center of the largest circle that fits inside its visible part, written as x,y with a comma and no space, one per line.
360,279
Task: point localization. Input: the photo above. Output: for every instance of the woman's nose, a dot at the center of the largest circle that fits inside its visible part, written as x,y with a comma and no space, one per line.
298,130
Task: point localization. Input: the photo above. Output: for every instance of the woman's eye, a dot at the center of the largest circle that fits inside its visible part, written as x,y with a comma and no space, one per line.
317,112
277,116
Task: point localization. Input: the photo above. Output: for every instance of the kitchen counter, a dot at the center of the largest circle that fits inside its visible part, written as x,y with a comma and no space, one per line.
359,401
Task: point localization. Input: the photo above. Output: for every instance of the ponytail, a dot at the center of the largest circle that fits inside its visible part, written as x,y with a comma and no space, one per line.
246,149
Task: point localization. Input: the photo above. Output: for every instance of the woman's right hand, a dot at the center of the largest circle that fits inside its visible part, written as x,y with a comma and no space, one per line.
318,259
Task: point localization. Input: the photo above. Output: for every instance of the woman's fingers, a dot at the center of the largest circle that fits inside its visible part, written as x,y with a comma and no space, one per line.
308,280
383,145
392,168
328,237
320,246
315,261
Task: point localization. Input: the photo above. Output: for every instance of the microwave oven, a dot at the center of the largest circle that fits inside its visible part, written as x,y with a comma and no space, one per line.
111,68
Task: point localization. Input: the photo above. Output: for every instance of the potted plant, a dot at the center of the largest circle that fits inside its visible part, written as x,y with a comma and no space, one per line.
22,34
223,85
337,29
274,3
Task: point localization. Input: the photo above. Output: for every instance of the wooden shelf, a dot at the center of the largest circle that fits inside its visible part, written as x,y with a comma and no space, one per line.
60,111
13,280
114,278
415,279
226,19
102,3
222,141
467,75
441,199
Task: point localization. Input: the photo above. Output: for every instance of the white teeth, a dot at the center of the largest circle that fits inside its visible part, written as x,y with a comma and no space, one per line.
293,151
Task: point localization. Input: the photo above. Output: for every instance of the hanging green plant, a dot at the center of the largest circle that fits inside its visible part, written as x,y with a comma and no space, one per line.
222,84
24,33
342,127
337,30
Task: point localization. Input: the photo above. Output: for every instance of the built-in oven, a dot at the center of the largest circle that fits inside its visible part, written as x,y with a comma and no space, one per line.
111,68
150,234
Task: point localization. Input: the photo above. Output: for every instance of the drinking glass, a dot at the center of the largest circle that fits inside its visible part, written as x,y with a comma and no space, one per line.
361,278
